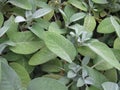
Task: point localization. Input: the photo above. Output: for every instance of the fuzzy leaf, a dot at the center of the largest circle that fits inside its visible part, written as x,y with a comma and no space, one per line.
60,46
45,83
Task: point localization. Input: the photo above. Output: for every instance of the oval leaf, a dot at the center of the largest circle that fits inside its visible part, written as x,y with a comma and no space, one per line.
22,73
77,16
89,23
100,1
115,25
42,56
103,64
41,12
25,43
25,4
10,80
117,43
45,83
60,46
78,4
105,26
105,52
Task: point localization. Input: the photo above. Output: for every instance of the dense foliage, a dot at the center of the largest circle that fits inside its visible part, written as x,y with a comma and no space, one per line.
59,44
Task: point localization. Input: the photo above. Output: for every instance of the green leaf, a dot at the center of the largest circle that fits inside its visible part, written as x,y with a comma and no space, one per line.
54,27
116,25
6,26
78,4
105,26
24,62
89,23
25,4
117,43
1,19
5,44
110,86
52,66
10,80
77,16
22,73
60,46
45,83
92,88
42,56
69,10
111,75
80,82
37,30
41,12
97,77
49,15
85,51
105,52
116,53
103,64
100,1
65,17
26,43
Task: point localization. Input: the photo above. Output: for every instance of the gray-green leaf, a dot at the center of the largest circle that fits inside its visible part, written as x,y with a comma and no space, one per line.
60,46
115,25
110,86
42,56
100,1
25,4
22,73
105,26
105,52
45,83
89,23
41,12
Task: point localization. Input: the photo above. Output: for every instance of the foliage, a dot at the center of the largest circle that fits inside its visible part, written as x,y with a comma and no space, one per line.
59,44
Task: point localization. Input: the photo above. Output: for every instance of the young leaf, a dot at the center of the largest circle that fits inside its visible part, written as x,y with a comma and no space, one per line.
41,12
19,19
80,82
105,52
60,46
25,4
105,26
100,1
42,56
45,83
115,25
97,77
110,86
22,73
89,23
